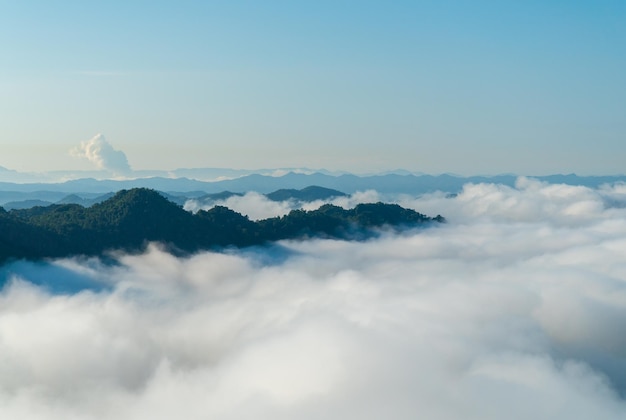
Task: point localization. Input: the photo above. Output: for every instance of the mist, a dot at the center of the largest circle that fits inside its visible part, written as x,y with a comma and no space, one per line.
258,207
513,309
529,201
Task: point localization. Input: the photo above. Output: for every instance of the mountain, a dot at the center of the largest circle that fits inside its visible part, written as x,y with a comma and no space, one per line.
21,239
387,184
308,194
83,201
201,174
25,204
132,218
11,193
334,221
208,199
74,199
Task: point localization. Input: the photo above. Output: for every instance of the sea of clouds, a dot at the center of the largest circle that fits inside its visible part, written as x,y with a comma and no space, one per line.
515,308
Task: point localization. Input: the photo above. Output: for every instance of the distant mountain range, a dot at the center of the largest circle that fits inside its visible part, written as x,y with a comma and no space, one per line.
202,174
304,195
90,188
132,218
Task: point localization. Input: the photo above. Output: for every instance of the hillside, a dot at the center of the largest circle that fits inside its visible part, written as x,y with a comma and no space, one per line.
308,194
131,218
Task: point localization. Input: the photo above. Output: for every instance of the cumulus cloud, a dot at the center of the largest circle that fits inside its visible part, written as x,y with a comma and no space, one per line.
514,309
99,151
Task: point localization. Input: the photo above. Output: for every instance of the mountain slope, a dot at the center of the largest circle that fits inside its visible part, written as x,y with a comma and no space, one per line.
131,218
307,194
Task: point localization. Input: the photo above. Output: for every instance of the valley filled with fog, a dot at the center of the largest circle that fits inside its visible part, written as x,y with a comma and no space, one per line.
515,308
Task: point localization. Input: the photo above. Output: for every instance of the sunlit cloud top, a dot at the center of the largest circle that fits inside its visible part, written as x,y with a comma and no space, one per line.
99,152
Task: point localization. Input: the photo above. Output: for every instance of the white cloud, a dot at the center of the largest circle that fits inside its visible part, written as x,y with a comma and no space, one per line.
257,206
254,205
530,201
514,309
98,151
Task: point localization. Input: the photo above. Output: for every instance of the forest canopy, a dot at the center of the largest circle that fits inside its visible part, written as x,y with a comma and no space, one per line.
132,218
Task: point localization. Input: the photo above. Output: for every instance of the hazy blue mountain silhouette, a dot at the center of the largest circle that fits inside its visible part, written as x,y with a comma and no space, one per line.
307,194
183,188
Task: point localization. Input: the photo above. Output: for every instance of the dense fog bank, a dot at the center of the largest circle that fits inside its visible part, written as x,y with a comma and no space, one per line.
513,309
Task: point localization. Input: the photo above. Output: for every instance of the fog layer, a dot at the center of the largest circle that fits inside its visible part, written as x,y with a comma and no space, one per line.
514,309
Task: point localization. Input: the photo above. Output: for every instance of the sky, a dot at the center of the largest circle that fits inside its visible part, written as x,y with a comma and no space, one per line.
513,309
468,87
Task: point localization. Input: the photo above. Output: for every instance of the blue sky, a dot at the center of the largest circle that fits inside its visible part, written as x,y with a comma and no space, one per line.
470,87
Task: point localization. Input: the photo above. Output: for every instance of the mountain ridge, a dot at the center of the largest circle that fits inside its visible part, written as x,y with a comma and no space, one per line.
346,183
265,183
132,218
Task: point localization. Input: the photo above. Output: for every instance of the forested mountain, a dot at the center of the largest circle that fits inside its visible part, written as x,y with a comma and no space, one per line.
131,218
306,194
